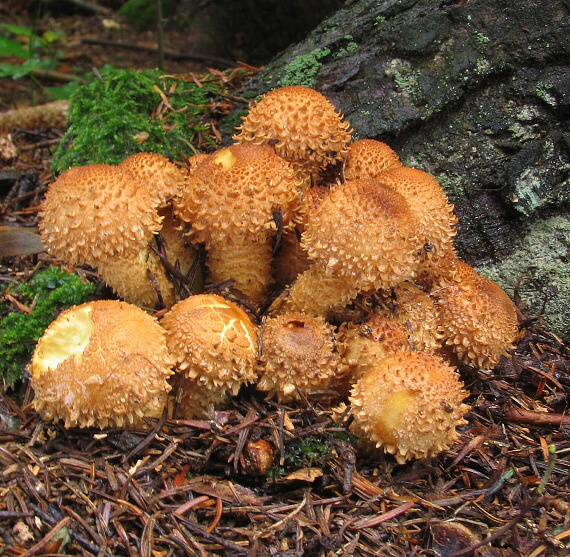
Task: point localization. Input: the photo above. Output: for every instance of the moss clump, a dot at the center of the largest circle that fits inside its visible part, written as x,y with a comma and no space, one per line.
303,69
47,293
125,113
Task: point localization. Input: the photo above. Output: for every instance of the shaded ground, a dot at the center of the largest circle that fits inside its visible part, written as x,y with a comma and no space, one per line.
263,479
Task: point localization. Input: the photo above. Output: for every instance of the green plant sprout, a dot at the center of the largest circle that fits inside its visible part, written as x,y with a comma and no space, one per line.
123,112
47,293
33,53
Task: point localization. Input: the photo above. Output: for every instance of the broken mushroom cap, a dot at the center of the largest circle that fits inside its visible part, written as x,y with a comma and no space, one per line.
96,211
301,124
362,237
297,356
214,345
477,317
367,158
232,201
103,363
156,174
409,405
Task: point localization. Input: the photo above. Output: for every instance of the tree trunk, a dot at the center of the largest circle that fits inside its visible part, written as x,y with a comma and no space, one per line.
476,92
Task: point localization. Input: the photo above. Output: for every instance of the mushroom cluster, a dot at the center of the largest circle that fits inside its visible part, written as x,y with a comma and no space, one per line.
338,258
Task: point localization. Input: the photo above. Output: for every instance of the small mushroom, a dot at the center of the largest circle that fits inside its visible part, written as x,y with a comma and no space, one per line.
362,345
232,200
362,237
97,211
214,345
367,158
477,317
298,356
103,363
409,405
416,311
301,125
162,178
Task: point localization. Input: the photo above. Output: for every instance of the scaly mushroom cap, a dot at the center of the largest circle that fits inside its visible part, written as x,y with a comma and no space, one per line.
409,404
367,158
232,200
434,215
416,311
235,191
213,342
365,232
96,211
160,177
103,363
301,124
362,345
297,355
478,319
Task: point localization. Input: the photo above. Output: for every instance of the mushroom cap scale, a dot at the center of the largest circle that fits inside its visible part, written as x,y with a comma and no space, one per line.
99,364
96,211
409,405
301,124
364,232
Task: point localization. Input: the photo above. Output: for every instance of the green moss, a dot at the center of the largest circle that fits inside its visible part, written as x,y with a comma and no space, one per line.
539,269
109,120
47,293
303,69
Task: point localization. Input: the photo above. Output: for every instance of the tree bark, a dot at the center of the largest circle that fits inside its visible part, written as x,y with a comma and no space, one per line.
476,92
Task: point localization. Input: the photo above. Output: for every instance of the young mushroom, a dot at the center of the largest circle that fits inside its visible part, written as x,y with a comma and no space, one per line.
409,405
232,201
301,125
298,356
214,345
362,237
477,317
103,363
367,158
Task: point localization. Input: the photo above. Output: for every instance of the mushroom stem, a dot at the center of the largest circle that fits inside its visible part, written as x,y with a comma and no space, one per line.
245,260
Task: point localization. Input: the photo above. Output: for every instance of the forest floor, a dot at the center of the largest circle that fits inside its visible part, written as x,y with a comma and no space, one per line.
202,487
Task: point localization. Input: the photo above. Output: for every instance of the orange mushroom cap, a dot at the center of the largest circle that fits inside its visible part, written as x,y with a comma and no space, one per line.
409,405
231,201
160,177
103,363
367,158
214,344
477,317
297,355
301,124
435,220
96,211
